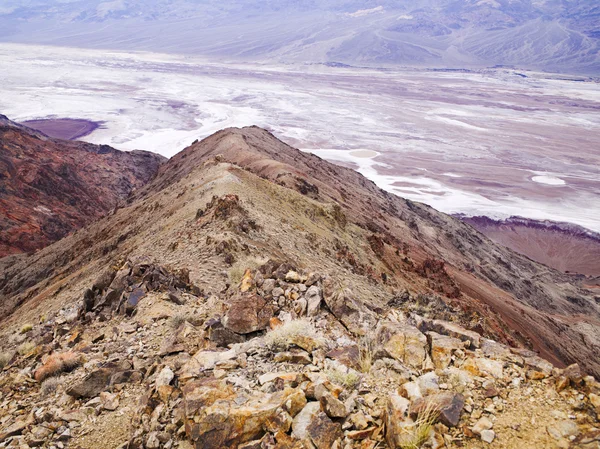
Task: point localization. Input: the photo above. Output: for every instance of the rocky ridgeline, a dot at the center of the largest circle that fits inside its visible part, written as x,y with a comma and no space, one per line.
280,360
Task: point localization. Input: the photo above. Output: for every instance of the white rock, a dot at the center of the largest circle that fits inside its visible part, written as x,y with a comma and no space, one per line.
165,377
488,436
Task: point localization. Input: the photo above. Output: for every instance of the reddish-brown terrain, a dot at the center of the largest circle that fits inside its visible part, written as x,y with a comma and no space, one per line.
50,187
564,247
242,193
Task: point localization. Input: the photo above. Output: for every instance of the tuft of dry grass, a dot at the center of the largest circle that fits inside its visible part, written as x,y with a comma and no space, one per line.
26,348
177,320
415,434
57,364
50,385
26,328
346,378
365,353
291,333
238,269
4,359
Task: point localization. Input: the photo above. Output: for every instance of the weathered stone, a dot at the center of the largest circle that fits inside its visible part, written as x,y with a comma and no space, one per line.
402,342
539,365
429,383
323,432
451,330
449,406
296,357
333,407
222,336
225,424
313,298
304,341
411,391
345,307
396,419
203,393
93,384
12,430
487,436
346,355
442,348
248,313
563,429
164,377
300,305
270,377
303,419
481,425
109,401
295,403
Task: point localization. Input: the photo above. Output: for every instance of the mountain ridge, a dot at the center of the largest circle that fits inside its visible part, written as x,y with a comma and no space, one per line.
50,187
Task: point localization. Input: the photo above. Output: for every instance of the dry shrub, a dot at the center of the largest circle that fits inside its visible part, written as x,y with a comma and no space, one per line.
284,336
26,348
4,359
57,364
415,434
50,385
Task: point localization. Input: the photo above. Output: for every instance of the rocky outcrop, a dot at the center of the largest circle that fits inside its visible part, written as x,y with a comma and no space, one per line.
51,187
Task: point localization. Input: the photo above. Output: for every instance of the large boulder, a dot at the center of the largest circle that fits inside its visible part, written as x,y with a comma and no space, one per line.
345,307
402,342
248,313
217,419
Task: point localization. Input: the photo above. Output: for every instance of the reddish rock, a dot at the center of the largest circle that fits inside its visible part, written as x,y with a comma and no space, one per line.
50,187
248,313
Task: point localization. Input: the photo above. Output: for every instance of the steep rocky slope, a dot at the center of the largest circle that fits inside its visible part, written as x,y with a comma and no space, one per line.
562,246
252,295
50,187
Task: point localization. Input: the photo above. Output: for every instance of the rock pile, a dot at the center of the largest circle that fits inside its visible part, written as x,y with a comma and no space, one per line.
292,360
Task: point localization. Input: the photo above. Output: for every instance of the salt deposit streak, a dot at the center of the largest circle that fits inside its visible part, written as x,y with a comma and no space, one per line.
549,180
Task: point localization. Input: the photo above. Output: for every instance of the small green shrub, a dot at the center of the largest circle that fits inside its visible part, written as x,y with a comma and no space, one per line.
349,379
26,328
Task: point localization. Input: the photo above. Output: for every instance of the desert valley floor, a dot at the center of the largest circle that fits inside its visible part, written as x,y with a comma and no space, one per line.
497,142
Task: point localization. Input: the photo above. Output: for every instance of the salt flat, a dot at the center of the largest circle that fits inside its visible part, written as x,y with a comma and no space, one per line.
493,143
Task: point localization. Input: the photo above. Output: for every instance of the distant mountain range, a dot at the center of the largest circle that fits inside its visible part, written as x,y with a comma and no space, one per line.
554,35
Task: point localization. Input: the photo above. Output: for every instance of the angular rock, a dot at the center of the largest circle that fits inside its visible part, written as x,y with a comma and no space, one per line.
323,432
164,377
451,330
313,298
109,401
442,348
345,307
333,407
12,430
303,419
93,384
296,357
481,425
563,429
487,436
248,313
396,419
448,405
346,355
402,342
225,424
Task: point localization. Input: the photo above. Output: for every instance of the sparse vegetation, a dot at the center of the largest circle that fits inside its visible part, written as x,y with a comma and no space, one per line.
57,364
237,270
50,385
288,334
26,328
365,353
177,320
415,434
26,348
346,378
4,359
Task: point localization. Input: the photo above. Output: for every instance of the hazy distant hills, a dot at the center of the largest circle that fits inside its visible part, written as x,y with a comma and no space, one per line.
556,35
